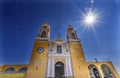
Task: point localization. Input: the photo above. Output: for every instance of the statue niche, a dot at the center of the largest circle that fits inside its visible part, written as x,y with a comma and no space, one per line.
43,35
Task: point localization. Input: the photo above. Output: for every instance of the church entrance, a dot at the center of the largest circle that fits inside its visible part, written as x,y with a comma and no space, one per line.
59,70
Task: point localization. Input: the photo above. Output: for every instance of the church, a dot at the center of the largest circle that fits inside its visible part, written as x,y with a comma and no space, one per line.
58,59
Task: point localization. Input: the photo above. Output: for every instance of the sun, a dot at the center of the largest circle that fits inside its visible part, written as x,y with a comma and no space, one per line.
90,19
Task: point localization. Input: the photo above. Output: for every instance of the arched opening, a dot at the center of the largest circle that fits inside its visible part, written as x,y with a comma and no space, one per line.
67,37
22,70
73,36
70,29
59,70
45,27
43,35
106,71
94,73
9,70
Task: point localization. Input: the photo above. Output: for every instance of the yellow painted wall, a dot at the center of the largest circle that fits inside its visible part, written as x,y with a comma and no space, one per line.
80,66
78,61
16,67
38,61
109,64
1,67
13,75
114,70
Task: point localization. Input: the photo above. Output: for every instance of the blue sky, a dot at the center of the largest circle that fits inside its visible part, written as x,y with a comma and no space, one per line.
20,22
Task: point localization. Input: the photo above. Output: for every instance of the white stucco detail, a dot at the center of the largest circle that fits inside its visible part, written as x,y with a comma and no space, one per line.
67,67
48,68
53,67
53,55
70,67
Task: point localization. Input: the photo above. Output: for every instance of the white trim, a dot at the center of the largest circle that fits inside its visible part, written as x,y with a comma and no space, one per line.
53,67
48,68
70,67
65,55
67,67
60,55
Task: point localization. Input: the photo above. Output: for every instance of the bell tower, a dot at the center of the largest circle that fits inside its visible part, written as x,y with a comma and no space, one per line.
77,55
44,34
71,34
38,59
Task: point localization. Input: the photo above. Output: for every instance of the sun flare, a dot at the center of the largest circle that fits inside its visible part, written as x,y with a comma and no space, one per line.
89,19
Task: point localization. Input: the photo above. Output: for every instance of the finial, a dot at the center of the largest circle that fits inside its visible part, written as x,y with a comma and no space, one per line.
46,24
69,24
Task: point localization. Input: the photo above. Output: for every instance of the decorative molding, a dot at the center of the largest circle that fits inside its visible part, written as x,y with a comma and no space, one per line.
54,57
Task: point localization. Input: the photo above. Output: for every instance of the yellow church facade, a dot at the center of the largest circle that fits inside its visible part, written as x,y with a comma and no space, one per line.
58,59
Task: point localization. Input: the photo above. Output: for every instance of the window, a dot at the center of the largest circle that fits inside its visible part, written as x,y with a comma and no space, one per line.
10,70
94,73
22,70
59,49
73,36
43,35
107,71
45,27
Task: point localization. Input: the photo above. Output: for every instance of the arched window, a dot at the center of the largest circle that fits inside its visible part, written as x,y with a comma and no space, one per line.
94,73
67,37
59,70
10,70
70,29
106,71
45,27
22,70
43,35
73,36
59,49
